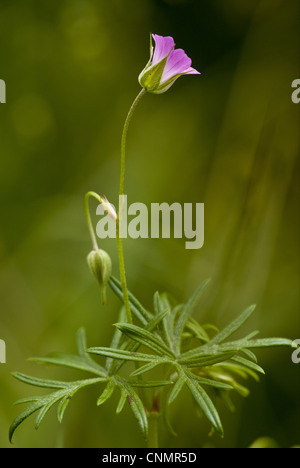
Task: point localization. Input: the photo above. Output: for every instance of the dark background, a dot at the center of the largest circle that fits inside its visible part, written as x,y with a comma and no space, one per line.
229,138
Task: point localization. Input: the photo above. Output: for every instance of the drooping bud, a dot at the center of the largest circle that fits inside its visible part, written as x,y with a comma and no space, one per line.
108,208
100,265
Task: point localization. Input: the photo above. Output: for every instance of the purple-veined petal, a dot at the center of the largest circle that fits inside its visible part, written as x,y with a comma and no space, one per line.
163,46
178,62
192,71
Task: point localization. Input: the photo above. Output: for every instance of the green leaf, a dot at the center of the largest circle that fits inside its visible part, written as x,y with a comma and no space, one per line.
233,347
82,362
196,329
249,354
62,406
72,361
186,312
24,415
45,402
146,338
176,389
239,345
107,393
122,401
27,400
39,382
235,368
81,343
162,304
249,364
202,360
233,326
154,323
209,382
269,342
146,368
205,403
133,346
149,383
47,406
135,404
252,335
124,355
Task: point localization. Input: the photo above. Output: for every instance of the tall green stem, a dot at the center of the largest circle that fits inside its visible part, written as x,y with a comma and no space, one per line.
121,192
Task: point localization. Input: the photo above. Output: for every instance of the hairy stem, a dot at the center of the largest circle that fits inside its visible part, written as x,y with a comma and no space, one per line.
121,192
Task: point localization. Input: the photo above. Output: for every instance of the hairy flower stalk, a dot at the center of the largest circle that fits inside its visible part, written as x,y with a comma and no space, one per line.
121,192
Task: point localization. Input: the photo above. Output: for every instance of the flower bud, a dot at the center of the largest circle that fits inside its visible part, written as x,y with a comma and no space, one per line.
108,208
100,265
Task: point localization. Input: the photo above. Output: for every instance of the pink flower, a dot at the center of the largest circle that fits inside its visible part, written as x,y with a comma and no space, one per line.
165,66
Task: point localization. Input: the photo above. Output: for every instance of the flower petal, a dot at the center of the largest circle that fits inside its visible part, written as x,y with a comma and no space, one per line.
163,46
178,62
192,71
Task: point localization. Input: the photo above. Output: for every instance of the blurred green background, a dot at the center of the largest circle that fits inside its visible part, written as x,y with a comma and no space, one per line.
229,138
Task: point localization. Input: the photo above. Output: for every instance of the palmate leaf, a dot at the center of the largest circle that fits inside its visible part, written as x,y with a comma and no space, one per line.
45,403
36,382
135,404
212,353
166,338
213,343
211,383
161,303
149,383
128,394
83,361
146,368
146,338
186,313
72,361
107,392
234,326
248,364
185,377
24,415
122,401
216,345
196,330
194,383
206,359
229,369
124,355
206,405
211,367
133,346
176,389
